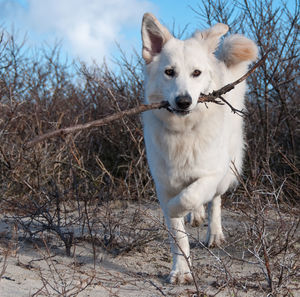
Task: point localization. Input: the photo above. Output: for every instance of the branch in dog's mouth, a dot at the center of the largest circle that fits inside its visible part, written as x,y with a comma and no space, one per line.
220,100
214,97
204,98
173,110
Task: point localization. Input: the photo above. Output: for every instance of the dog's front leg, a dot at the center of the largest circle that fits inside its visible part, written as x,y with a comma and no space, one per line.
180,248
196,194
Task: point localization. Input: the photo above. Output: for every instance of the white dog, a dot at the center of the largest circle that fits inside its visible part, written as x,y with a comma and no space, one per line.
192,147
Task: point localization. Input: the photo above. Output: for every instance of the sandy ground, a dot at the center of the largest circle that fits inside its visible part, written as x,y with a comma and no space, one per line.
32,270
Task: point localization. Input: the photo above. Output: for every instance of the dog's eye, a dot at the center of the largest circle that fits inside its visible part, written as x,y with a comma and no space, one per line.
196,73
170,72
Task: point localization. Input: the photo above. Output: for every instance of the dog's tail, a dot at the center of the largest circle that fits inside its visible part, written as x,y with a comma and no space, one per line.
236,49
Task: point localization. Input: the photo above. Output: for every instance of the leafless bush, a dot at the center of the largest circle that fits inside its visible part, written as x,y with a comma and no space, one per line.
46,186
273,91
55,280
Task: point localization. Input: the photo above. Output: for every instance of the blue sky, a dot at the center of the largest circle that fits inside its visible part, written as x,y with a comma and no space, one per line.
90,29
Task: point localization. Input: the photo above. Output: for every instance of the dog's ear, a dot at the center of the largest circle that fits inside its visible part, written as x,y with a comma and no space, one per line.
236,49
212,35
154,36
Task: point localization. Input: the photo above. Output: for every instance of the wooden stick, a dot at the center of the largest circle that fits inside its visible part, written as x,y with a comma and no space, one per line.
214,97
96,123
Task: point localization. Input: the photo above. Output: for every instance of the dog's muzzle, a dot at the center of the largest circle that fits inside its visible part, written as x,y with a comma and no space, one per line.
183,103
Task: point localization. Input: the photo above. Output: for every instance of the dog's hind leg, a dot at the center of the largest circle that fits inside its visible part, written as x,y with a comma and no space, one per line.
215,234
196,217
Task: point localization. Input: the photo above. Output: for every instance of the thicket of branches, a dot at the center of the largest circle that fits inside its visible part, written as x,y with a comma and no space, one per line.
51,186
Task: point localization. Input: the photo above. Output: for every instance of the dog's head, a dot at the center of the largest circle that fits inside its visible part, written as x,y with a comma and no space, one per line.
178,71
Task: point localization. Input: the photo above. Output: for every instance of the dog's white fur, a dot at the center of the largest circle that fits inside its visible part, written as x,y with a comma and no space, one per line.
191,155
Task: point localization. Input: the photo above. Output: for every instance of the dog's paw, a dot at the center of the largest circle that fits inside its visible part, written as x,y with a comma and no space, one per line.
196,218
214,240
180,278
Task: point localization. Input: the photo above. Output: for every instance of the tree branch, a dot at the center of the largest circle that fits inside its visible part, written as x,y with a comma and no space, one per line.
214,97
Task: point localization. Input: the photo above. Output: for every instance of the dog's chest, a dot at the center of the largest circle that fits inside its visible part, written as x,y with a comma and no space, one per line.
183,157
180,150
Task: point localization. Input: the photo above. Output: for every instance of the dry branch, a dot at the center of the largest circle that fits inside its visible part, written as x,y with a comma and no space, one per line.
214,97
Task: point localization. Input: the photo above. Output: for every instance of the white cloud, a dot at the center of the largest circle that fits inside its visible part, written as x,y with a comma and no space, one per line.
89,28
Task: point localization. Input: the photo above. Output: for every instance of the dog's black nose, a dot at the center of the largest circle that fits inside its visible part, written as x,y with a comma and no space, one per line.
183,102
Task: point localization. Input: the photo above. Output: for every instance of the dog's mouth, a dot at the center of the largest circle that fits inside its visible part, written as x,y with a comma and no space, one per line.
182,112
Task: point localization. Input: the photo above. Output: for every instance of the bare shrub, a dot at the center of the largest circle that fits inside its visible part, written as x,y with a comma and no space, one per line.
56,282
46,186
273,91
